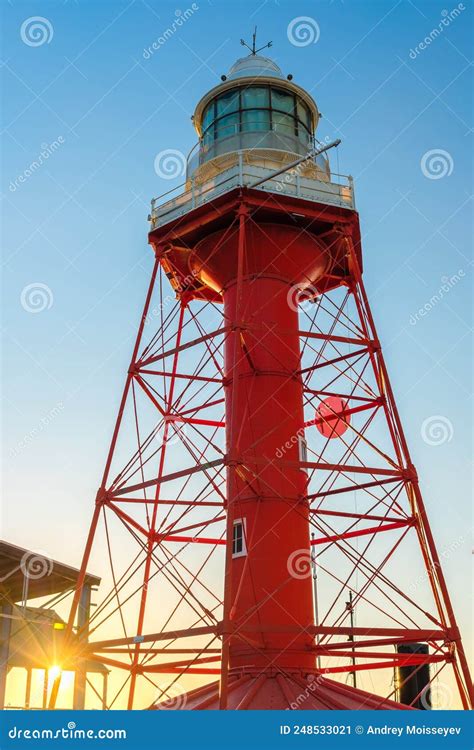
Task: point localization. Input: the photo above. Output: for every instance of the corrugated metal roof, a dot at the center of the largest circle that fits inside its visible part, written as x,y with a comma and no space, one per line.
279,691
46,577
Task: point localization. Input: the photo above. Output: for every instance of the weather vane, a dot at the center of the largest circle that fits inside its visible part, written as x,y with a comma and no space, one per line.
253,49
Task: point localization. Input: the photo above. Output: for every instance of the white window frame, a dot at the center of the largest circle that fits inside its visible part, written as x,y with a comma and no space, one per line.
302,449
242,522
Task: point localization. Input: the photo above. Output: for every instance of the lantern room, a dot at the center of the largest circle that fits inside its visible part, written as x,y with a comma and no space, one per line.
258,112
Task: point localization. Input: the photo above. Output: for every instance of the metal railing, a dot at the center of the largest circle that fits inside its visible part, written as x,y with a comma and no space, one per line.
334,189
252,137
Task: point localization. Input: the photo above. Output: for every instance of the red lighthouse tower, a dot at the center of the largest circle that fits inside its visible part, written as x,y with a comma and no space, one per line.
258,445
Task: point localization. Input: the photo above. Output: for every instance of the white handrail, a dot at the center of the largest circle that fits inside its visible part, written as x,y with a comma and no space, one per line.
337,190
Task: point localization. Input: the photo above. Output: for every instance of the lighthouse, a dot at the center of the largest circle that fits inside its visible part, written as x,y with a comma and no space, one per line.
266,408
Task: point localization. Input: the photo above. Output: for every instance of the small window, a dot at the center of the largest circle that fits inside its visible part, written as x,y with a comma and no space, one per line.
304,114
302,448
227,126
228,103
255,120
283,101
208,116
239,547
283,123
255,96
208,137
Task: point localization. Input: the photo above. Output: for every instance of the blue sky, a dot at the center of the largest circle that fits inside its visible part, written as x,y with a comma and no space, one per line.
78,223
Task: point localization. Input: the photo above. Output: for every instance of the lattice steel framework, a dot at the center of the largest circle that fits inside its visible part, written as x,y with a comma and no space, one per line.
161,516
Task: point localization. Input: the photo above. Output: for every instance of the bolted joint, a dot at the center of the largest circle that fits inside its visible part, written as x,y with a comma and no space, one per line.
231,461
374,346
101,496
454,634
410,474
161,250
185,297
243,210
343,228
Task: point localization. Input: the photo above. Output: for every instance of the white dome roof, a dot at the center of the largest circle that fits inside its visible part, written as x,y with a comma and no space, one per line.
254,66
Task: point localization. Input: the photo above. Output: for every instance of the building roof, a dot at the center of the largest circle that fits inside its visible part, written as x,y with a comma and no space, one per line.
36,643
254,66
282,691
43,576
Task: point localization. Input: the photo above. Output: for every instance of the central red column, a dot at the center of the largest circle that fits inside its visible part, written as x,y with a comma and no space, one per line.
271,582
269,586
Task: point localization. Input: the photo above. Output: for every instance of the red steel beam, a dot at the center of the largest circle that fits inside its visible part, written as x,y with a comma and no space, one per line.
334,361
374,665
336,467
364,532
346,413
204,422
333,647
360,516
396,658
165,636
167,478
188,539
352,487
182,347
182,376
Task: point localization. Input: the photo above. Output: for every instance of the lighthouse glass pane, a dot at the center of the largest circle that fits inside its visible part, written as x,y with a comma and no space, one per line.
283,101
208,116
284,124
227,126
255,96
227,103
255,119
208,137
304,115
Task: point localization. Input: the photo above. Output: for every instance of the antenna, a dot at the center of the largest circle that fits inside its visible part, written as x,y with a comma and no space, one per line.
253,49
350,609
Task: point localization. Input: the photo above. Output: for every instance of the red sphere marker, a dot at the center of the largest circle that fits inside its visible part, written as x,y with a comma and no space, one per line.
328,422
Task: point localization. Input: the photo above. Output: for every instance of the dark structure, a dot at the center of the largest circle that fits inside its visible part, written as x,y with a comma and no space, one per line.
31,637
